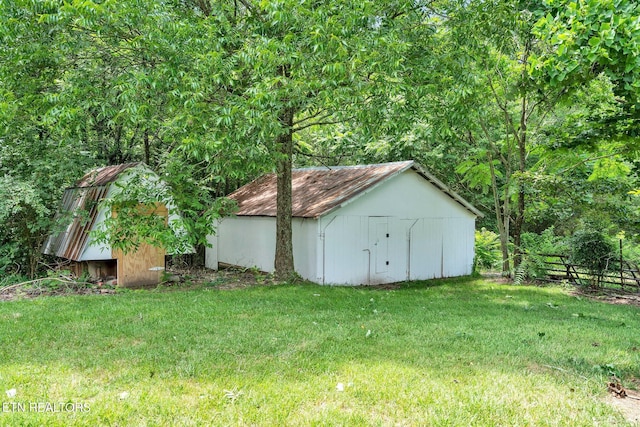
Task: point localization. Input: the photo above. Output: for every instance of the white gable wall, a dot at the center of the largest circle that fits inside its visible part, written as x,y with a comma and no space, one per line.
407,195
403,229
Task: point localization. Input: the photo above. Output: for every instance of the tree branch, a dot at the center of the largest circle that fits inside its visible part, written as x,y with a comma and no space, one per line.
319,123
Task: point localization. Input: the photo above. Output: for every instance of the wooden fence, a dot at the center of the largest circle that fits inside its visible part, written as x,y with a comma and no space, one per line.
621,274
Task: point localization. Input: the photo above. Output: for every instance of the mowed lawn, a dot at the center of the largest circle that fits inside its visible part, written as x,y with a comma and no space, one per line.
455,352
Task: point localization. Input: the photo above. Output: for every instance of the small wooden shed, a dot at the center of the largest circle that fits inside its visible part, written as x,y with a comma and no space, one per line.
81,204
353,225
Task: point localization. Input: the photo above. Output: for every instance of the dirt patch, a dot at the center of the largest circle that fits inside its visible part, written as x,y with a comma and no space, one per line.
227,278
33,290
629,406
609,296
629,299
176,279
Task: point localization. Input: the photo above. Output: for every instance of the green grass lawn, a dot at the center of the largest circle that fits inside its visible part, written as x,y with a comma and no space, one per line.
456,352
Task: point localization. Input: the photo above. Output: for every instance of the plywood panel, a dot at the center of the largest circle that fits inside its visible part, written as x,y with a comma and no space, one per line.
144,266
140,268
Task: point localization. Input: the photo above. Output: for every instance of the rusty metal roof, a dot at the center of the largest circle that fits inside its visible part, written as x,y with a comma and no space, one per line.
319,190
80,205
104,176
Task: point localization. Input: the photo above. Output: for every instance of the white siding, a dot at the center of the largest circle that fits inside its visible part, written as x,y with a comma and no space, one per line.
211,253
344,258
247,242
426,249
458,247
92,251
251,242
429,236
305,238
405,196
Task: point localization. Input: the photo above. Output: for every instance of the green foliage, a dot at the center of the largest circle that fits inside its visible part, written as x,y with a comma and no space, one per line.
535,248
588,37
487,250
25,220
591,249
478,92
137,220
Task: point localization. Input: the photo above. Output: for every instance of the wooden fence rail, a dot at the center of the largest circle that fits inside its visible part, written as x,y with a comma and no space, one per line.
620,274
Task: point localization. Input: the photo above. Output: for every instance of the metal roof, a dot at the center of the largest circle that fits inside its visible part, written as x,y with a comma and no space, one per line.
317,191
104,176
80,203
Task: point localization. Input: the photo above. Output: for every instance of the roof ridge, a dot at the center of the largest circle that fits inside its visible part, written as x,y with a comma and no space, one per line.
340,167
104,175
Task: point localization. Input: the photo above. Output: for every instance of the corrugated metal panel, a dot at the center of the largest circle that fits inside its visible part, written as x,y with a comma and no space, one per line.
316,191
81,204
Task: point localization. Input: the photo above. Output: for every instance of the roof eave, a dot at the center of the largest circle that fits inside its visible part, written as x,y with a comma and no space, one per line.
445,189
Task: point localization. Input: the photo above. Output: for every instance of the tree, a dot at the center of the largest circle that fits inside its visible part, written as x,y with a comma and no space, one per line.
300,65
586,39
36,161
480,94
222,87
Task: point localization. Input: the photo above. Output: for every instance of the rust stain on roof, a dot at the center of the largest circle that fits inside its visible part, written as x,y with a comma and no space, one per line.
316,191
80,204
104,176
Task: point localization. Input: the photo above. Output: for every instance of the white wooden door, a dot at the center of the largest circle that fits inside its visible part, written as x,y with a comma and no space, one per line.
379,248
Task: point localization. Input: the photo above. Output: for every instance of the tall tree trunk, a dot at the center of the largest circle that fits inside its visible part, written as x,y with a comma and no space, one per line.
502,219
147,147
522,158
284,238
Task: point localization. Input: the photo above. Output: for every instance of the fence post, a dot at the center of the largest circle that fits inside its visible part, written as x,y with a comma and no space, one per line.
621,273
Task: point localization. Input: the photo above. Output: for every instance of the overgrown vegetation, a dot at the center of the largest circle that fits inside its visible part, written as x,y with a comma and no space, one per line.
487,251
451,352
591,249
526,108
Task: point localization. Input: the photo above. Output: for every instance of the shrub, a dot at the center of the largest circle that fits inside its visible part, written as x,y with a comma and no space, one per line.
487,248
535,247
592,250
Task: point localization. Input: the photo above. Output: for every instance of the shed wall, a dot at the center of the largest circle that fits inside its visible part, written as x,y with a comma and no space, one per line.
407,195
404,229
250,241
92,250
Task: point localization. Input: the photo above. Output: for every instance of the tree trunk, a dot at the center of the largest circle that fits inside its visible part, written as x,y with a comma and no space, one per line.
284,238
521,136
519,220
147,148
502,219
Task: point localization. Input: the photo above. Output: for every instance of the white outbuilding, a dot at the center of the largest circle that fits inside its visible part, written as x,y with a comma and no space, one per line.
352,225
